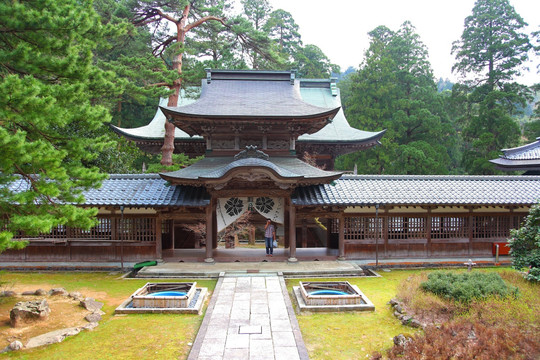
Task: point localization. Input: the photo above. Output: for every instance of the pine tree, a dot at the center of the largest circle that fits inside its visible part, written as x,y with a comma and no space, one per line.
50,90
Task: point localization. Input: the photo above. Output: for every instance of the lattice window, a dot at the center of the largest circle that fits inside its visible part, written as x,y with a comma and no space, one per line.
102,231
449,227
333,226
363,228
136,229
406,228
491,227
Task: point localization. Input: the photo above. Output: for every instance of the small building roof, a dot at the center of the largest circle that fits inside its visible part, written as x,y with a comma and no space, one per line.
526,157
362,190
287,169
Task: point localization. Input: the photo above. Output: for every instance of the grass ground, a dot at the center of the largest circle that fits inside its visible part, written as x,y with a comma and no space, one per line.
354,335
347,335
357,335
137,336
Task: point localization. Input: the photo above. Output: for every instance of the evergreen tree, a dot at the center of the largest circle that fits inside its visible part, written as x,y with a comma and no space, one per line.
394,89
311,62
489,55
50,89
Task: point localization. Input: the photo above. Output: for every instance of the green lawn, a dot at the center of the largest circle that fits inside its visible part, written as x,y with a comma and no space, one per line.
347,335
356,335
136,336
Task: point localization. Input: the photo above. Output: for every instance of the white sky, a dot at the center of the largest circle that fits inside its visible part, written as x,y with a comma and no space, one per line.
340,27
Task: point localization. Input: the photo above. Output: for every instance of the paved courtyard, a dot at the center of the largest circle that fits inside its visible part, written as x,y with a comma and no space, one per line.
249,317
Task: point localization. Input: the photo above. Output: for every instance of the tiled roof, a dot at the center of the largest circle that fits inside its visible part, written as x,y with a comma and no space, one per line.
422,190
246,98
149,190
526,152
526,157
144,190
318,94
217,167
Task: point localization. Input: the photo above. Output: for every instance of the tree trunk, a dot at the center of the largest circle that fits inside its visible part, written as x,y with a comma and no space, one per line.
168,142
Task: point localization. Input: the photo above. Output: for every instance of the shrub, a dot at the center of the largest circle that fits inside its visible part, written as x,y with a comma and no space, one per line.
465,287
466,340
525,245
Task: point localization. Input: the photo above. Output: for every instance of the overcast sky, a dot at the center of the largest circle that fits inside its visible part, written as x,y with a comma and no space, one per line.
340,27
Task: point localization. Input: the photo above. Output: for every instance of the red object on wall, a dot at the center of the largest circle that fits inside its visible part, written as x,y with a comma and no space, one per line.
504,249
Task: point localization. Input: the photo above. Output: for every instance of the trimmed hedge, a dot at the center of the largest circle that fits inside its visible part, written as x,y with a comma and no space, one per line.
465,287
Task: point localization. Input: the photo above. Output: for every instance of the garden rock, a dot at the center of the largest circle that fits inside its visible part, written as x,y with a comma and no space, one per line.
75,295
8,293
90,326
401,340
406,319
398,308
40,292
393,302
58,291
13,346
52,337
93,317
415,323
91,304
25,311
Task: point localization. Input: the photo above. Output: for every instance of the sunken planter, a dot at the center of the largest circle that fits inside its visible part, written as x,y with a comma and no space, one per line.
331,296
164,295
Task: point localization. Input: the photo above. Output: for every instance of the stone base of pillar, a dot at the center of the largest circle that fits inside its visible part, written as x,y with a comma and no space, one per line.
209,261
292,260
341,258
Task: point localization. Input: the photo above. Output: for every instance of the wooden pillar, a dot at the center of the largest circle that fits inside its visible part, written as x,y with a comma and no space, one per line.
385,231
172,232
341,242
159,245
292,232
214,225
471,220
304,234
209,233
428,232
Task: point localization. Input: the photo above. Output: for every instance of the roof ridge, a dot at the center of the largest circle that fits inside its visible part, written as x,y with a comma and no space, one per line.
440,177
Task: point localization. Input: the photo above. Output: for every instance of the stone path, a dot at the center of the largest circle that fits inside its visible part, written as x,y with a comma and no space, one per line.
249,317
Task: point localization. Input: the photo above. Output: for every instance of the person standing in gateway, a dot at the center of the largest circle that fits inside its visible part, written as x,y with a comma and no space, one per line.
269,237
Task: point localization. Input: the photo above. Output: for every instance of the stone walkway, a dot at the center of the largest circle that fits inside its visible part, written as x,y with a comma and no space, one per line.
249,317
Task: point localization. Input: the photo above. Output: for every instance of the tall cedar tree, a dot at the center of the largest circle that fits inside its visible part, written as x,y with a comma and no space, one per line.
50,88
394,89
489,55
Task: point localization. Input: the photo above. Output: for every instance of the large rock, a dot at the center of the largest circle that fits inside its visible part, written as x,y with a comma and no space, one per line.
58,291
52,337
28,311
91,304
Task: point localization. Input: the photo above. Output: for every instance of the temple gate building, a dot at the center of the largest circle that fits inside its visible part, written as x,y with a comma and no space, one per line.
255,129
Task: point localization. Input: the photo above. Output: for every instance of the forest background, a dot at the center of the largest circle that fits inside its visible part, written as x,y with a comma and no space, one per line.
70,68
